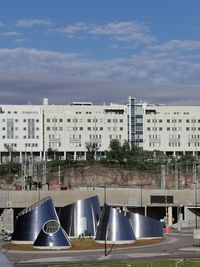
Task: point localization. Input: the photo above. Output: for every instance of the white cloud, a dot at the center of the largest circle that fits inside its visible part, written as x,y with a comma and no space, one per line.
177,44
10,34
32,74
74,28
32,22
129,31
1,24
124,31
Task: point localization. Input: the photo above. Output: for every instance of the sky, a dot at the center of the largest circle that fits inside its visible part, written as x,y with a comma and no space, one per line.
100,51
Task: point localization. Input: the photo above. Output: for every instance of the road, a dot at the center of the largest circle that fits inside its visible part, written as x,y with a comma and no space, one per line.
175,246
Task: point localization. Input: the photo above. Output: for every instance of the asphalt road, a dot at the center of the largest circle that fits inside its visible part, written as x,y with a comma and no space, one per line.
175,246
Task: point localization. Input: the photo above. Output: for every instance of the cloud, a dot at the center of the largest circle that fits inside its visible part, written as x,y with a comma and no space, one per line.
31,74
27,23
13,33
75,27
21,40
123,31
177,44
1,24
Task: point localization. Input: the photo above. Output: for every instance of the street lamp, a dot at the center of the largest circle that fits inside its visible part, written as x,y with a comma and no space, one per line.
105,213
195,200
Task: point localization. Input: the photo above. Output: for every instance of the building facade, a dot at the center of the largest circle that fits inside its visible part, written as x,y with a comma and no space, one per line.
171,129
33,129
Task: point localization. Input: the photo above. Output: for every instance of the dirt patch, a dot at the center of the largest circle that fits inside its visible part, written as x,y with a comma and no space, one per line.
84,244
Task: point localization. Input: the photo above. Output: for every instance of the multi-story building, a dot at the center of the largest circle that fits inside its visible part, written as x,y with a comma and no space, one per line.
67,128
171,129
21,130
33,129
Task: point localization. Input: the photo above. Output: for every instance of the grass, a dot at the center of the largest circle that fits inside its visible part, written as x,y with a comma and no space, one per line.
83,244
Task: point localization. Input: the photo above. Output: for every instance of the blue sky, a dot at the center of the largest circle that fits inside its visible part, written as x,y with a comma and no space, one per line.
100,51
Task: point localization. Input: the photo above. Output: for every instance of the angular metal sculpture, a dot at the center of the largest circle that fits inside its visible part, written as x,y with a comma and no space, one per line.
81,217
114,227
145,227
52,236
31,220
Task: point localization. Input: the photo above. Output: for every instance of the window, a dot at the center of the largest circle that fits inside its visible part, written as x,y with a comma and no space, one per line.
24,128
89,120
109,120
48,120
24,120
81,128
168,121
148,120
37,120
16,120
60,120
48,128
68,120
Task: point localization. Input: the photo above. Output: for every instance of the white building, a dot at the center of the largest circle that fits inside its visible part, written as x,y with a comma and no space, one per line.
21,130
33,129
171,129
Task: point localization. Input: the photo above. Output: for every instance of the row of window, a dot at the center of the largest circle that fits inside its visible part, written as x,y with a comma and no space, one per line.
175,144
81,129
154,129
24,137
24,120
75,120
173,120
26,144
17,128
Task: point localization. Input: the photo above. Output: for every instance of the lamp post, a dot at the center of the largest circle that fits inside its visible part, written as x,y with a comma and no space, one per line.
195,200
105,244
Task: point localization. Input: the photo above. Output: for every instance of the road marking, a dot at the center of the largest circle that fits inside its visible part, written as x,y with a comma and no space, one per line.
55,259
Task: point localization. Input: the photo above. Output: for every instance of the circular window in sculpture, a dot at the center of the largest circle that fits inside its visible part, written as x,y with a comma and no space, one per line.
51,227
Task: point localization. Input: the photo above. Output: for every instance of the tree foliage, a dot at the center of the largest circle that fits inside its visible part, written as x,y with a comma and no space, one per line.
91,151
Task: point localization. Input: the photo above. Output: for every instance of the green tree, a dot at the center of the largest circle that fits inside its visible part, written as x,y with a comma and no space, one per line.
53,154
91,151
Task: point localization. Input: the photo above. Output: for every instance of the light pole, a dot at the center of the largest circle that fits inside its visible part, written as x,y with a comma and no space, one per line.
195,200
105,214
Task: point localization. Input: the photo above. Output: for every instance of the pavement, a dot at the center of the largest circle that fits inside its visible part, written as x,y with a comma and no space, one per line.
177,245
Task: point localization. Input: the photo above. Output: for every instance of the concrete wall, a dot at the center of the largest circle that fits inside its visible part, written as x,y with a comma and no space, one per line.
114,196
